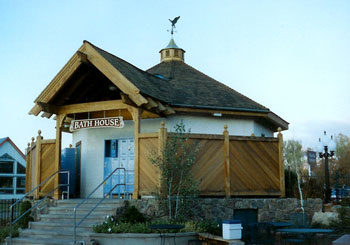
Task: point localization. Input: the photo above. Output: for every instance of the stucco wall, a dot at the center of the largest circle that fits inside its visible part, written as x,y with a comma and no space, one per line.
92,140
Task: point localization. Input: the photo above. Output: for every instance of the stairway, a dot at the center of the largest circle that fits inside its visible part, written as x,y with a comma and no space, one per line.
56,227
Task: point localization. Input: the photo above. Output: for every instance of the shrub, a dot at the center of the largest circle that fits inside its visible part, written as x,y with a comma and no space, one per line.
132,215
24,206
343,223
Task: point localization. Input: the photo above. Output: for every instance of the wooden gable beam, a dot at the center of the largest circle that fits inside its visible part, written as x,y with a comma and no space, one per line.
46,114
47,107
92,106
127,100
161,107
150,104
35,110
113,74
168,111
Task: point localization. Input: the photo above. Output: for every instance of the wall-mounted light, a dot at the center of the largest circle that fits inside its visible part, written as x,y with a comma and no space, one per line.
112,87
217,115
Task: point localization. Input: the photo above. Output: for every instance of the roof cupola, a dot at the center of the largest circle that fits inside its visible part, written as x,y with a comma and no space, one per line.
172,52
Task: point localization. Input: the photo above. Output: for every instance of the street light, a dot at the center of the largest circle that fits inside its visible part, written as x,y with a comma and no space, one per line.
326,148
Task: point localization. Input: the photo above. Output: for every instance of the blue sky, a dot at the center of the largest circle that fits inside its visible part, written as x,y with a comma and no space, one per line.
290,56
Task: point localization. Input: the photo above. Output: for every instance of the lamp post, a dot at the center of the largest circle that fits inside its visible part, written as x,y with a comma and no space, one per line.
326,149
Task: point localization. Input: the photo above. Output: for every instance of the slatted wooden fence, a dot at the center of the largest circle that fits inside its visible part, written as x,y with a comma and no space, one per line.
40,156
225,166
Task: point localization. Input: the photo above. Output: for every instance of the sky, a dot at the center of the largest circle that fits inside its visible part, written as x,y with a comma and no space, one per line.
293,57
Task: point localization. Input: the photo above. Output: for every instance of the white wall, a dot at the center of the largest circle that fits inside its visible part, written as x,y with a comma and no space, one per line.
259,130
92,140
8,148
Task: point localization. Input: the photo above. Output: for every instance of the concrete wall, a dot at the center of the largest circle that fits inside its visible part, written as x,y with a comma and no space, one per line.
92,140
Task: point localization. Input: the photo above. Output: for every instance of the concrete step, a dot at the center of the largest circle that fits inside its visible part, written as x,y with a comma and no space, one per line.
89,201
59,233
70,218
40,241
85,226
83,210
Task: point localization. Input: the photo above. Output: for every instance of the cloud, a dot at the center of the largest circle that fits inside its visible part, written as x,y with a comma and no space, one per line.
308,132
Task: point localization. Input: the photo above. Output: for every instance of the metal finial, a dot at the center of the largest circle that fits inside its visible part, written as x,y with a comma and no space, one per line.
173,22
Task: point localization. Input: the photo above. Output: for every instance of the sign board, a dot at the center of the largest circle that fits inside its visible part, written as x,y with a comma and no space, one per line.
311,157
109,122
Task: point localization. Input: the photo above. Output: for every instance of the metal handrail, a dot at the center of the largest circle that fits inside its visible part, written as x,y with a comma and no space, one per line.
12,222
86,198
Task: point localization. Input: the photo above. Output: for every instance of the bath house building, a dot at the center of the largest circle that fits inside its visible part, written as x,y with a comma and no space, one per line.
119,114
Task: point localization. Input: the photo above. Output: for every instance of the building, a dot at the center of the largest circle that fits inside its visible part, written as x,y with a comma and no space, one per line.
12,170
115,110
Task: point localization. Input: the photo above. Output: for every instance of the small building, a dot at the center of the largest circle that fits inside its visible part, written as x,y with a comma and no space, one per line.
118,114
12,170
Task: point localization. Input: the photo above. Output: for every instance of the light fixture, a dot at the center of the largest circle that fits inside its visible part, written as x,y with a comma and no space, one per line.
217,114
326,149
112,87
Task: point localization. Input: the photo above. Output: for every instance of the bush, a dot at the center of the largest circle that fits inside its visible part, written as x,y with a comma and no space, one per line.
23,207
132,215
343,223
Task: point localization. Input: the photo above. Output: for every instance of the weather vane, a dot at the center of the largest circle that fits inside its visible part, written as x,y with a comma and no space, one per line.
173,22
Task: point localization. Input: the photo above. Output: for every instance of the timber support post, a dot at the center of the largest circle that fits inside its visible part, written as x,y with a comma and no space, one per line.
59,123
136,116
37,163
227,181
162,138
281,162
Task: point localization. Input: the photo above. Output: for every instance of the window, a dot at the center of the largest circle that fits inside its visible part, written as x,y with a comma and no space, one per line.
20,168
6,182
21,183
6,167
176,53
167,53
111,148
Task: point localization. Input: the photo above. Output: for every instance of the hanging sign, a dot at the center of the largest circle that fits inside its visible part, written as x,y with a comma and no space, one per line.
109,122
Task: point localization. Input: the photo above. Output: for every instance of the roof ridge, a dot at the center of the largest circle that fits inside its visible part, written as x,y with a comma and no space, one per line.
139,69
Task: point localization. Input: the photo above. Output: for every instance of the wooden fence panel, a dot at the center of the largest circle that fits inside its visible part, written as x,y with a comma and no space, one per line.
47,166
148,173
254,167
209,169
40,161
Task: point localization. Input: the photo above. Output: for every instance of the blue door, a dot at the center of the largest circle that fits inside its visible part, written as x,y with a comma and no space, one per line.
119,153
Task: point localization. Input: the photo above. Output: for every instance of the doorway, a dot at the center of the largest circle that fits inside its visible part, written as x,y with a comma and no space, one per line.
119,153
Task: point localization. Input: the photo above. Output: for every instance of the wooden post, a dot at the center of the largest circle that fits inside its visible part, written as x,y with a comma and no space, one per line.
227,181
162,138
281,162
37,164
136,114
28,168
58,146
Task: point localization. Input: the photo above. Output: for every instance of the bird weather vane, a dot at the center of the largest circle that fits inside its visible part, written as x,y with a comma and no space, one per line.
173,22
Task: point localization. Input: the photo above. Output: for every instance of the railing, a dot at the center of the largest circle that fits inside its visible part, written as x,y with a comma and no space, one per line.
5,214
12,222
98,203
